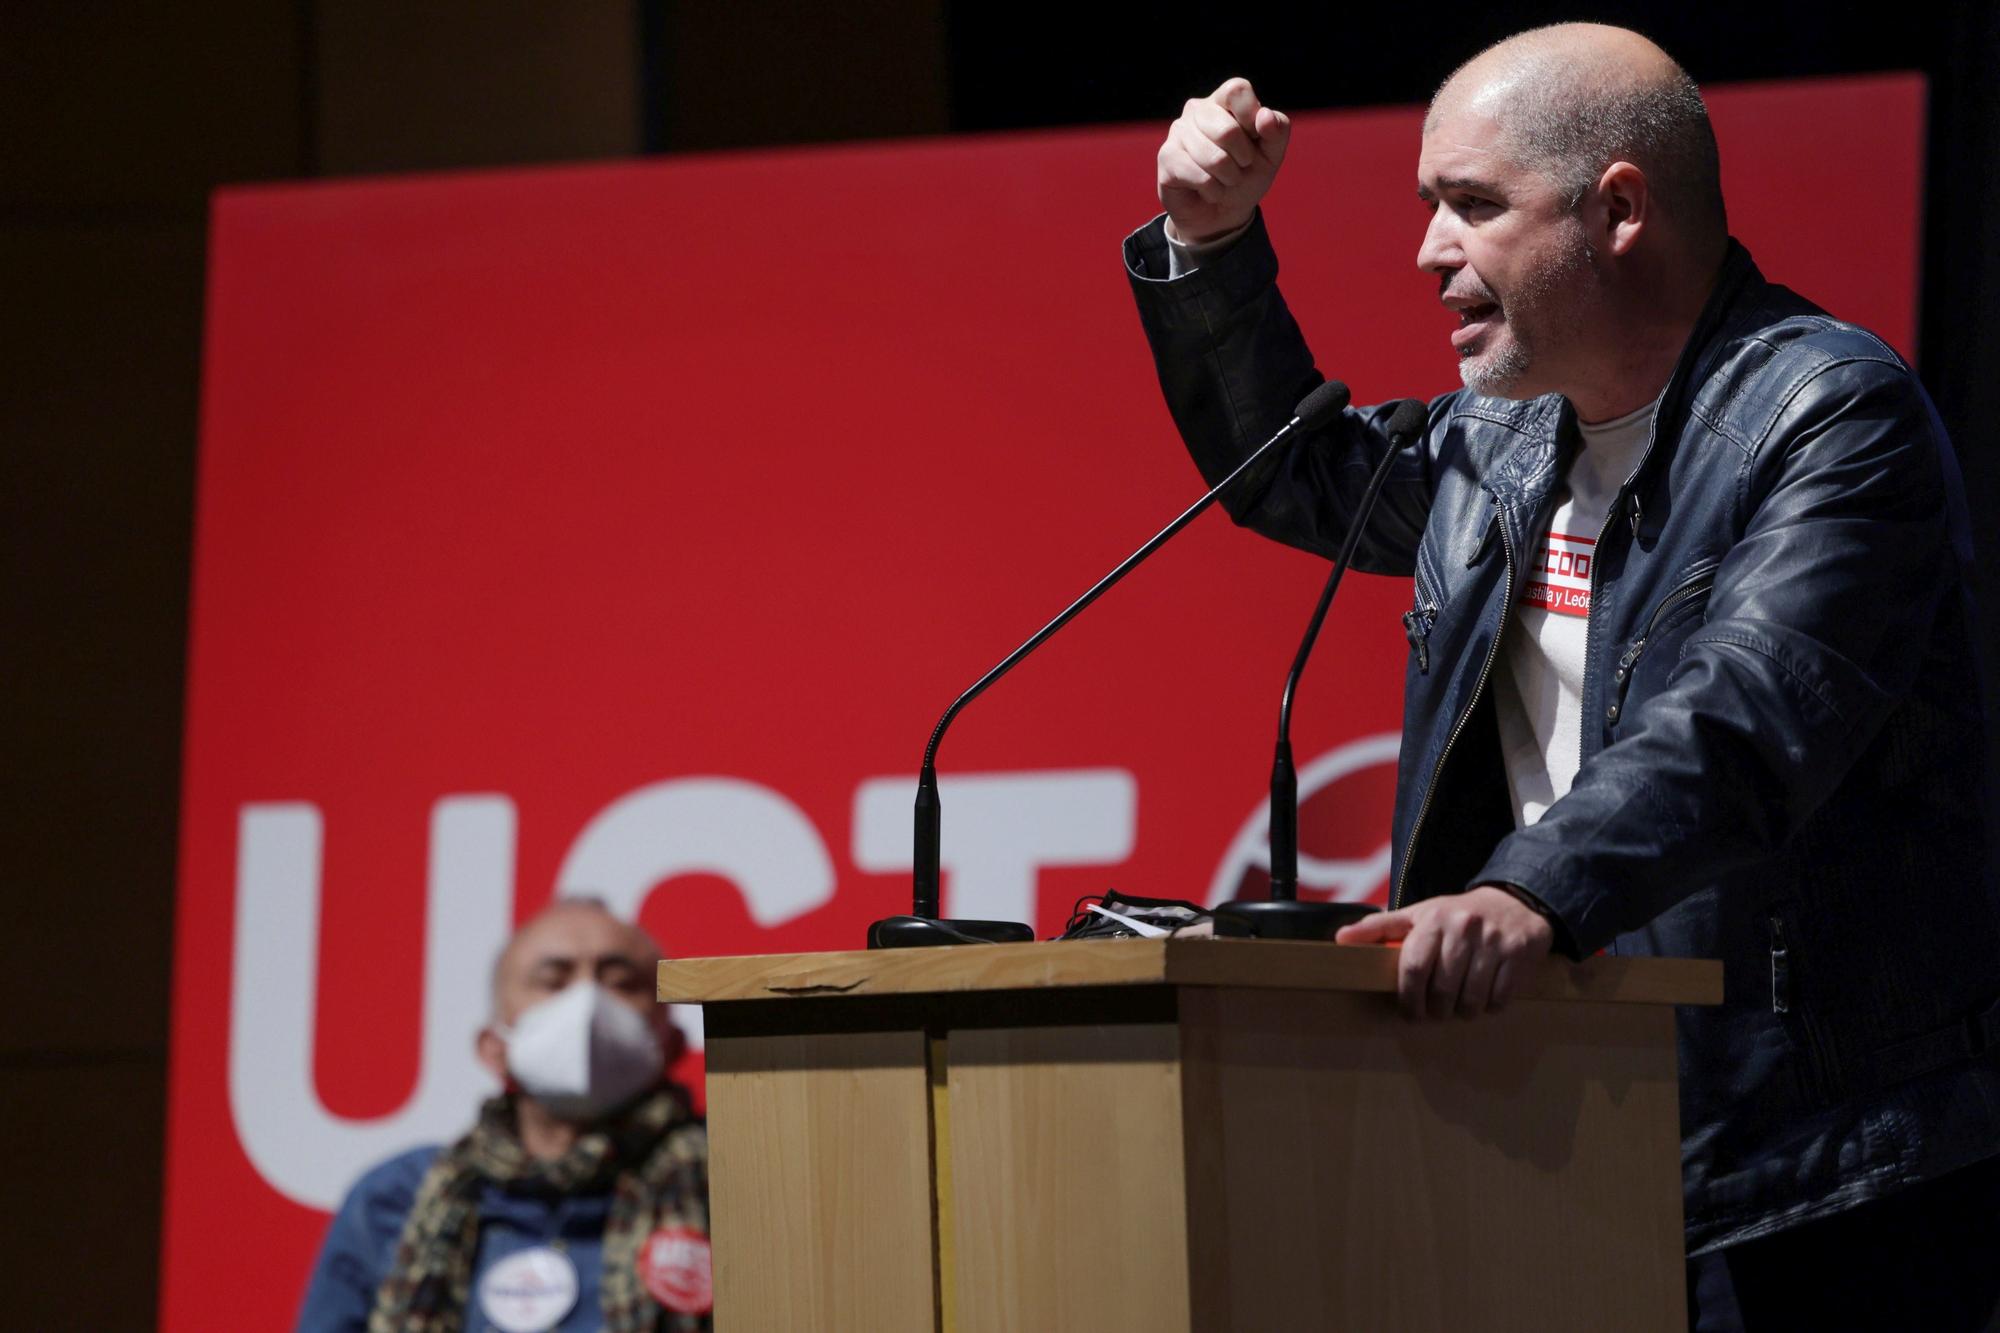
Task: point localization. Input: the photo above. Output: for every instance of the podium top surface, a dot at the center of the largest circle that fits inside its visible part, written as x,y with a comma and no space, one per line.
1265,964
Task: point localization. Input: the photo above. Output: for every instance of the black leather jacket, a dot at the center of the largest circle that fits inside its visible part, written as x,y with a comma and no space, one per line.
1783,752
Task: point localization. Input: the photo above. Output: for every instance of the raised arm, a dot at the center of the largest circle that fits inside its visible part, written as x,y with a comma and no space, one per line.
1231,360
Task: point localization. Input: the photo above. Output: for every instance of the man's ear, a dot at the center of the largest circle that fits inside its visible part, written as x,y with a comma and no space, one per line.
492,1053
1625,199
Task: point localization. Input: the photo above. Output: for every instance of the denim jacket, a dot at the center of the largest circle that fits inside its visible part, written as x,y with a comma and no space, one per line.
1783,755
360,1245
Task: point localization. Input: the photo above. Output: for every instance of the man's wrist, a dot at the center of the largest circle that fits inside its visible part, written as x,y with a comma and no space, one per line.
1559,934
1526,899
1186,256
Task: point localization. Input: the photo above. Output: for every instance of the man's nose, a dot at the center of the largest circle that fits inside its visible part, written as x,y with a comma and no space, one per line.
1440,251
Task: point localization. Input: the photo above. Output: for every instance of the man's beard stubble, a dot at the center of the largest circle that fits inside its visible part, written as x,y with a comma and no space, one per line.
1495,372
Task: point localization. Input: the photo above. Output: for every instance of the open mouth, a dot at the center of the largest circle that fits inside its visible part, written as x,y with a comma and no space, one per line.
1473,322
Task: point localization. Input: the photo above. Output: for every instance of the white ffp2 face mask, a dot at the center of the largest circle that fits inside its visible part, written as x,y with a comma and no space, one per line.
582,1052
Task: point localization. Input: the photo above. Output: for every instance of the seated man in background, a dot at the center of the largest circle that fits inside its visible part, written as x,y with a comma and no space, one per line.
579,1201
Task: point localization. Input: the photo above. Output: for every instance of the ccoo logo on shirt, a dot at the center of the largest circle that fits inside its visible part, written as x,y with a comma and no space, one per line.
1559,581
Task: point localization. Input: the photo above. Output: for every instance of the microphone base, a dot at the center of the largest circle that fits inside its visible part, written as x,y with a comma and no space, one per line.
916,932
1285,919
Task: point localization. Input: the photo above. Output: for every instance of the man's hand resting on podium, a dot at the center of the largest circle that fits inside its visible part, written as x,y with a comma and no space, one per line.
1463,954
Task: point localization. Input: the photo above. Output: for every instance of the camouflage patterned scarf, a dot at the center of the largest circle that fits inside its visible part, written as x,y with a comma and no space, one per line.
654,1159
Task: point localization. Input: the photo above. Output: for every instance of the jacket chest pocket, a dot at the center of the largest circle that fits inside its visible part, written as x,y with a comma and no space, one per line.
1672,619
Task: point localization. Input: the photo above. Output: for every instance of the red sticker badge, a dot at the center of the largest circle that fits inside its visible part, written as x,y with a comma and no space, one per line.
675,1265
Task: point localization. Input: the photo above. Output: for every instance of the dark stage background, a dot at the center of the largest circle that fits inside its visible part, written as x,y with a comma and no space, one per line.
120,118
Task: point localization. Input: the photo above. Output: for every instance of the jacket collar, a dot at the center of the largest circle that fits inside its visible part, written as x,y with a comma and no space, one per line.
1545,427
1709,341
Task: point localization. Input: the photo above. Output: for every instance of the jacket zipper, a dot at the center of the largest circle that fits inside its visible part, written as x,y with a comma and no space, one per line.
1781,969
1622,676
1420,619
1478,688
1817,1073
1417,629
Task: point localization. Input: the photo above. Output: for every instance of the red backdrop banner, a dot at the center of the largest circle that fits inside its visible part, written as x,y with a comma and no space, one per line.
624,529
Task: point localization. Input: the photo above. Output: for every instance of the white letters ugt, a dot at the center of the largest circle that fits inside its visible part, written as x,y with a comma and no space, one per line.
1001,829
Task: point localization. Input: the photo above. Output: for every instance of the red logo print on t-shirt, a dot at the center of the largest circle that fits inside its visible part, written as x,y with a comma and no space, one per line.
1559,580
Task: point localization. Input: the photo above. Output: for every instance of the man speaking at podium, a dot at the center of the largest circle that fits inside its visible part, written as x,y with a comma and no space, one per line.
1690,664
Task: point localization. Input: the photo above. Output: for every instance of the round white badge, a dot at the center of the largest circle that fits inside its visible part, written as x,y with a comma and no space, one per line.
529,1292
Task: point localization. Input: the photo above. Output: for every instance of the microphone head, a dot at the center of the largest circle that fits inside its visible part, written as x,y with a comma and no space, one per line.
1321,405
1406,423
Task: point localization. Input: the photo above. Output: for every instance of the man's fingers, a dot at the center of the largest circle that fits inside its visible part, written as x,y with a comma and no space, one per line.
1214,160
1178,171
1211,156
1239,99
1413,969
1475,995
1418,955
1375,928
1454,960
1207,121
1460,940
1273,130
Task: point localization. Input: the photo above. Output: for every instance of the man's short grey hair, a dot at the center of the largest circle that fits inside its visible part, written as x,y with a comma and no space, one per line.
1571,118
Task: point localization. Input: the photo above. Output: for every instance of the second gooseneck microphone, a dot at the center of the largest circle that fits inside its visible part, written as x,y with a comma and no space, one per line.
1283,915
924,926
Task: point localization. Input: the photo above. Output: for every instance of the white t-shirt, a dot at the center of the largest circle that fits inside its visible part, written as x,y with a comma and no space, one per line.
1538,688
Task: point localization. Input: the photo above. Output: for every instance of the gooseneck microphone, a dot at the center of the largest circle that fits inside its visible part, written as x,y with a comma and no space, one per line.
1283,916
924,926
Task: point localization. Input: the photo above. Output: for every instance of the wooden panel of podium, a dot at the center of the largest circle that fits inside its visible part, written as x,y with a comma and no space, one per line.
1189,1134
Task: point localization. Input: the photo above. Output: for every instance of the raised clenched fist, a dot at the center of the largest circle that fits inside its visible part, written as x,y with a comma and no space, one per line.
1218,160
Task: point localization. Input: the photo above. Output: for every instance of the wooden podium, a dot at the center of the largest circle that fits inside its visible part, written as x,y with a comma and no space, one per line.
1186,1134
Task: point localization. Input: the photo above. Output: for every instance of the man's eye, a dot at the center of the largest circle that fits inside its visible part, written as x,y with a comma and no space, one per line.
623,978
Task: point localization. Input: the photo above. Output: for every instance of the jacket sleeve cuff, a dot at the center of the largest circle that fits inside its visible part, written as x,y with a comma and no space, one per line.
1227,280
